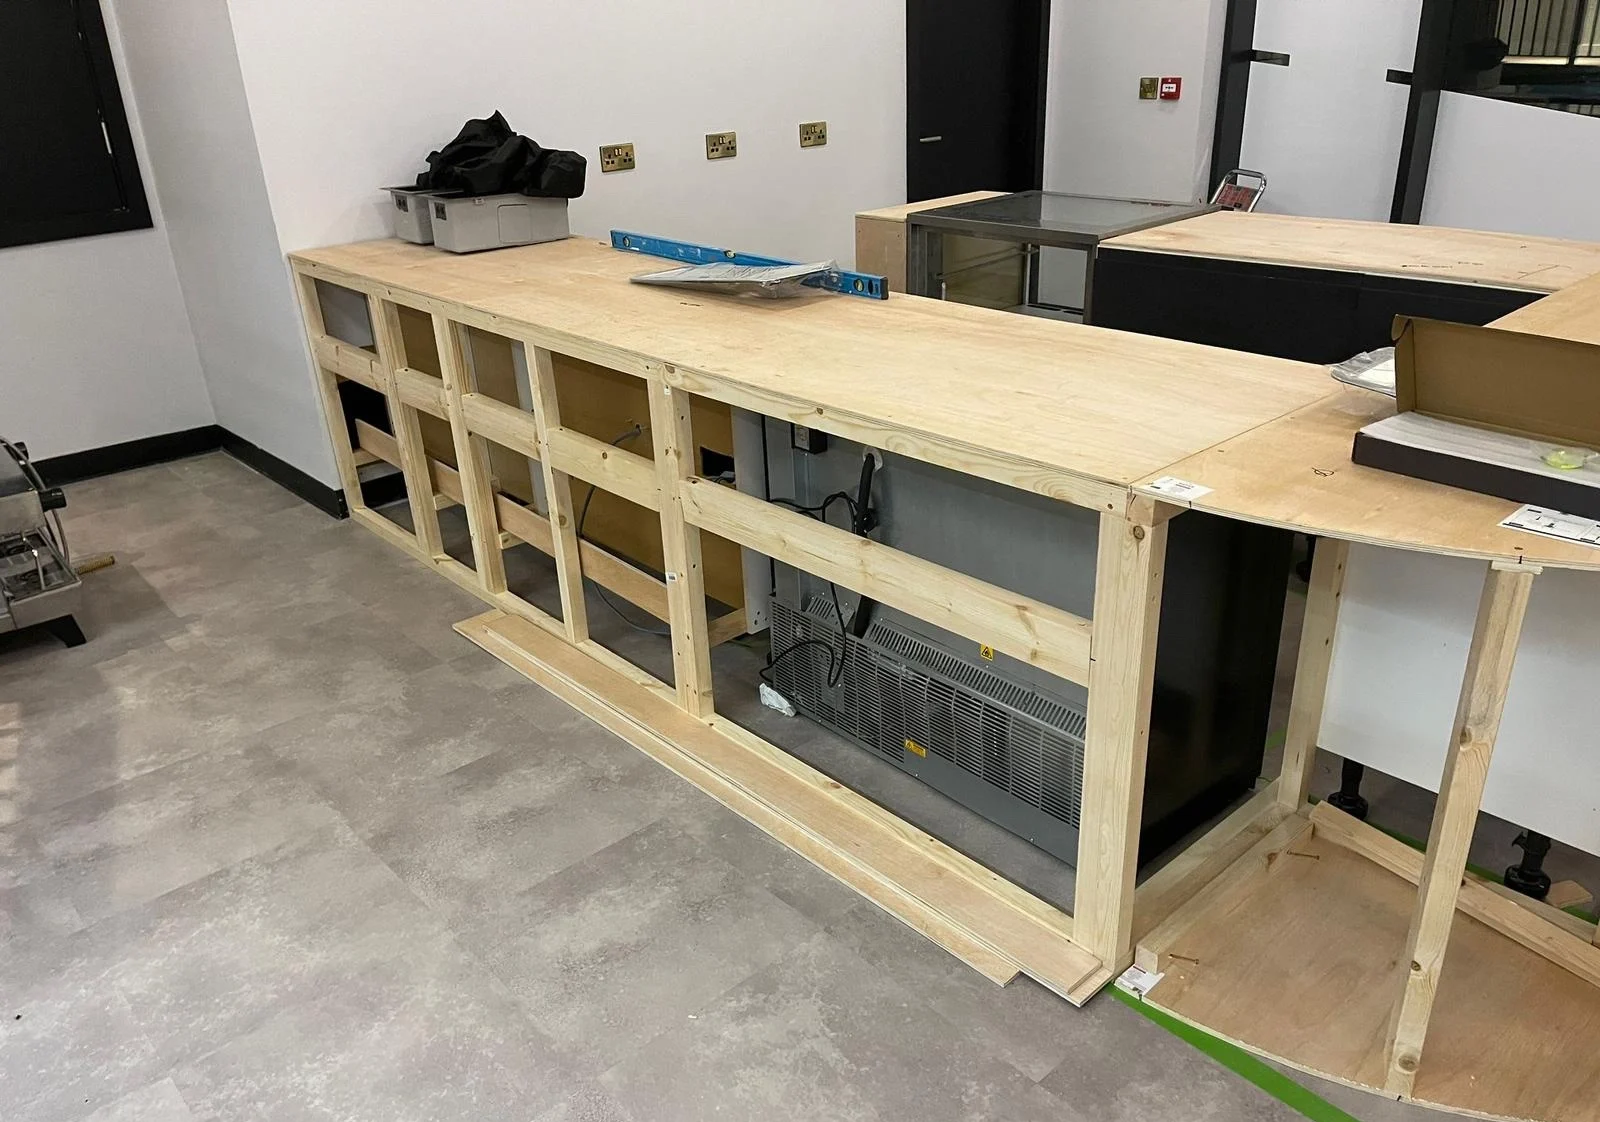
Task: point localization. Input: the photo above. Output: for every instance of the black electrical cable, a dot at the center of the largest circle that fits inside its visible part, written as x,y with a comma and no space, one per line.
860,522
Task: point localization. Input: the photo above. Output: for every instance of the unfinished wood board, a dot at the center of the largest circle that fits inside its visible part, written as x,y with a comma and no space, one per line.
1495,637
1389,249
1306,968
1315,656
673,433
899,213
989,274
972,912
632,584
1225,891
1200,863
606,405
1573,313
1034,632
920,371
881,249
1554,935
1129,567
1296,473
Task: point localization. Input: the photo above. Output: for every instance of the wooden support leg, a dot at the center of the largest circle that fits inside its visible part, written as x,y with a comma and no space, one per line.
407,427
1483,697
1311,672
558,496
472,454
686,586
344,455
1127,610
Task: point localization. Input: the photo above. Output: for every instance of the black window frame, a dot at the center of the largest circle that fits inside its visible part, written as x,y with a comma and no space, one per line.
134,213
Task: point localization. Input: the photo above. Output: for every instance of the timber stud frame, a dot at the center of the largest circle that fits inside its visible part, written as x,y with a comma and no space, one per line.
980,917
1207,918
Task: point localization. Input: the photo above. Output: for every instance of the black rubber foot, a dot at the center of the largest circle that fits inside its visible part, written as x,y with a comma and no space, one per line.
1536,884
1348,797
1528,876
67,630
1353,805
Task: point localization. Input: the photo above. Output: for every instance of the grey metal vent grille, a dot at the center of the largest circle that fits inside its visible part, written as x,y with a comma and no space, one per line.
898,687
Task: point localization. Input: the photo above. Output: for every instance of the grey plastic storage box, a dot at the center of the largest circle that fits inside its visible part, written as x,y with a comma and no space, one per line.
468,223
413,220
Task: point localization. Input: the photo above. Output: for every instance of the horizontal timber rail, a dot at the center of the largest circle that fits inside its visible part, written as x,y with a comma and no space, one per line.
1027,629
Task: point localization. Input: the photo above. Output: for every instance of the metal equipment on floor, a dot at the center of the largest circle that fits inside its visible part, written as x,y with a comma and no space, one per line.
37,582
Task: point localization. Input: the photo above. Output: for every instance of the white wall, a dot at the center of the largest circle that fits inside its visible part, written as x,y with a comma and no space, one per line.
347,97
95,346
185,76
1326,129
1499,166
1100,139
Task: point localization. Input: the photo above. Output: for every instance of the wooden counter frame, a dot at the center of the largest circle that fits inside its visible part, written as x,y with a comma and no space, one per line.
1209,887
993,925
976,914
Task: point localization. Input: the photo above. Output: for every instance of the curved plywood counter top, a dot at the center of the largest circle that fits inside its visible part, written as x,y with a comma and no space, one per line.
1296,473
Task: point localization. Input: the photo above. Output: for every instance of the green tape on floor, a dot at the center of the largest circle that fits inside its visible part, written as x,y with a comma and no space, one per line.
1241,1063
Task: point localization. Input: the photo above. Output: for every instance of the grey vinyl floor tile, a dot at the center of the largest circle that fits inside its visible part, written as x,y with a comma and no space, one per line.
428,1037
468,841
159,1102
583,949
823,1034
117,848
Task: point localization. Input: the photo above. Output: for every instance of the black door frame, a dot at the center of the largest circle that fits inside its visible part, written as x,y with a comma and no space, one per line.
1426,79
1035,177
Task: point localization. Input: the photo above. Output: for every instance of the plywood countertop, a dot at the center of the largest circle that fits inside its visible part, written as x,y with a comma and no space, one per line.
1062,408
1101,405
1384,248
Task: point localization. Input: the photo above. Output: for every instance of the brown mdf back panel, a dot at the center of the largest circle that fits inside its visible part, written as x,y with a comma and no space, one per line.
604,404
881,249
1531,385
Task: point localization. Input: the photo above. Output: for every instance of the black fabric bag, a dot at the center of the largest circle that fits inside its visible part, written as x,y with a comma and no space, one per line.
487,158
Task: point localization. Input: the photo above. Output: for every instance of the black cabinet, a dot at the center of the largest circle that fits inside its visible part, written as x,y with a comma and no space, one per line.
1313,315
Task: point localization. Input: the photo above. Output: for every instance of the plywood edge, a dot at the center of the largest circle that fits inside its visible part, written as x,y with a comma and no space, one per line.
817,817
1105,495
1181,879
1522,923
1225,892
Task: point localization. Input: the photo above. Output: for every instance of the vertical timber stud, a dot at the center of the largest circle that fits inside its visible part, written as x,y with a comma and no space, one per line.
472,457
344,456
1127,612
1483,699
558,495
1311,671
680,547
407,428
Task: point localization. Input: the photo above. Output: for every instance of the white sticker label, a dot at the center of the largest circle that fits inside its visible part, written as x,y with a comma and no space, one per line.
1554,524
1138,981
1177,488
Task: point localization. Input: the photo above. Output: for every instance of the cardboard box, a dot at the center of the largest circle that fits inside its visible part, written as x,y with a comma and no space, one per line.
1489,405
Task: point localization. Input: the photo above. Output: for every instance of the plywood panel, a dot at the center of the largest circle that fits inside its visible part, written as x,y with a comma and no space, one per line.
605,404
1431,252
1307,968
1044,398
1296,472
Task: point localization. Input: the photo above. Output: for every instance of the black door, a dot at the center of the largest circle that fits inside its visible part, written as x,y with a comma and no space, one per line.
974,96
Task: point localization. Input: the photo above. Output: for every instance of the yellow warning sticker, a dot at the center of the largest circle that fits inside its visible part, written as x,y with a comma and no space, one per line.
986,651
914,748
